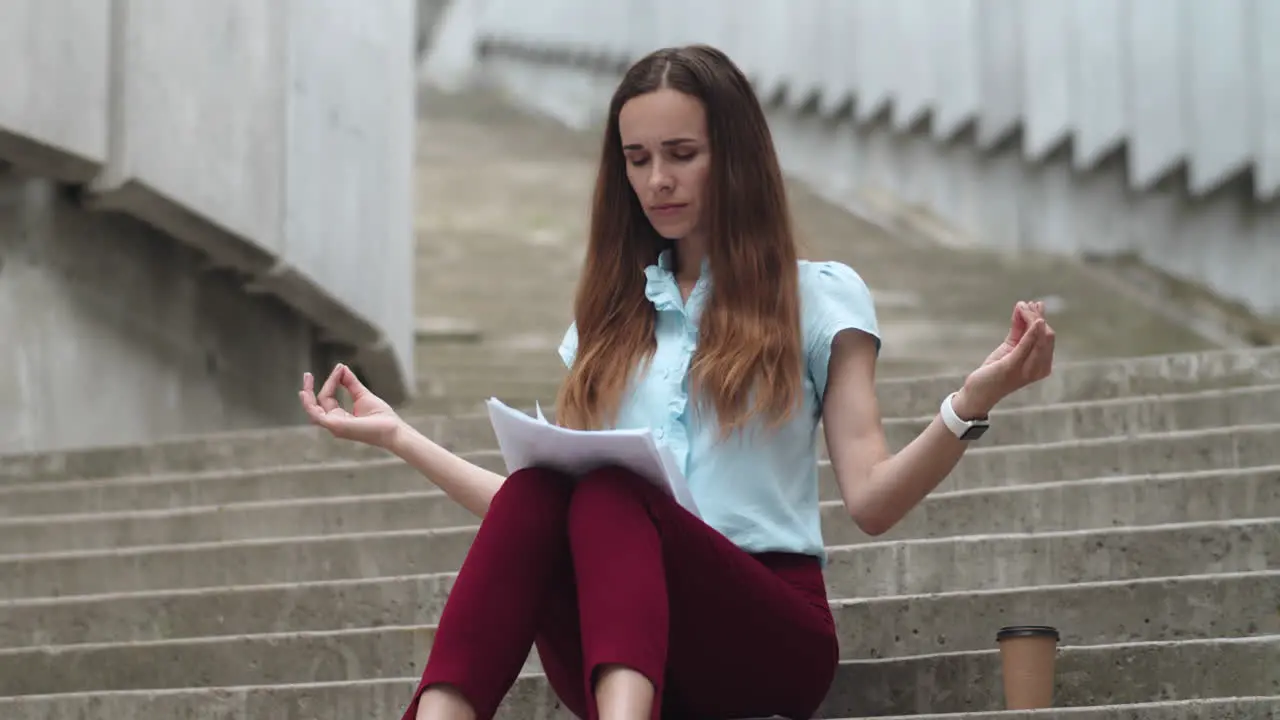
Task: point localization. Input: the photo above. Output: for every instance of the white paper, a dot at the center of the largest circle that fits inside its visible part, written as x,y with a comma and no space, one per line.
527,442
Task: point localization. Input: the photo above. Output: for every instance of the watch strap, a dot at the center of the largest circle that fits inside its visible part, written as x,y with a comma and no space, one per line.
961,428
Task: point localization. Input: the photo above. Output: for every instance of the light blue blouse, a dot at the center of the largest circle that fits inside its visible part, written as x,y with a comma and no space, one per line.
759,489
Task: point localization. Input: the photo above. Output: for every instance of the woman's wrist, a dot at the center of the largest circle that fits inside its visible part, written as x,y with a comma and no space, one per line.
398,438
970,405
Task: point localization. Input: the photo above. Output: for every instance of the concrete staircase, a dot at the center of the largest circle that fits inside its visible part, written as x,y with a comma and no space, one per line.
1134,504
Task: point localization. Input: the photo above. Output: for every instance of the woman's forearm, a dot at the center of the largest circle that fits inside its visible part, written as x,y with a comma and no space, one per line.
899,482
466,483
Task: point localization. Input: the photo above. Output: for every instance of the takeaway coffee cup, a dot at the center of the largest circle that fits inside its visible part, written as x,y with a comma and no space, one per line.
1027,656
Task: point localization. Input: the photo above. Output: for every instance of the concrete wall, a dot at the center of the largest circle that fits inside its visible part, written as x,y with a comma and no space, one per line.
113,332
1109,127
273,141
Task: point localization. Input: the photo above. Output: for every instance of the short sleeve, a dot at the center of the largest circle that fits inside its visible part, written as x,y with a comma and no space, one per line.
835,299
569,345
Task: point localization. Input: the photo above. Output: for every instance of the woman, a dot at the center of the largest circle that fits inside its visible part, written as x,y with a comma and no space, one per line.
694,317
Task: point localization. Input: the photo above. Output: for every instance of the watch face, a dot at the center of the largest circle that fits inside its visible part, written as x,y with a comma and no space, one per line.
974,432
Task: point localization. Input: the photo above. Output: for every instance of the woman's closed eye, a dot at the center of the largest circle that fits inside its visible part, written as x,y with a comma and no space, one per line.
682,156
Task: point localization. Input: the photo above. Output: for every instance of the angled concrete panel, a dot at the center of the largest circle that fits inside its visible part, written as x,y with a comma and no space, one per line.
912,87
1098,92
1156,39
953,39
1266,28
1046,82
804,59
54,86
840,63
1001,96
875,36
770,27
1221,74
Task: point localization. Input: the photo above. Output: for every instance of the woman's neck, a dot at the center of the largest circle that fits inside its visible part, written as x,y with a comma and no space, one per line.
690,253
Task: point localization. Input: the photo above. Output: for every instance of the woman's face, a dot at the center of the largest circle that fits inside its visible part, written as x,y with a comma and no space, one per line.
664,143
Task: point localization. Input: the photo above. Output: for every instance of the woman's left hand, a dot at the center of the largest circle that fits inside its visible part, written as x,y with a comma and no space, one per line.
1025,357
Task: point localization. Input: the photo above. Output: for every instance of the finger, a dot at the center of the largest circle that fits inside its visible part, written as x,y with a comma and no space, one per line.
315,413
334,422
326,397
353,384
1049,342
307,394
1028,342
1017,324
308,401
1040,363
1020,311
1029,312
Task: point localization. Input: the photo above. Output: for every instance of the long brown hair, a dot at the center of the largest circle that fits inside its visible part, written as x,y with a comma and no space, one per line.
748,360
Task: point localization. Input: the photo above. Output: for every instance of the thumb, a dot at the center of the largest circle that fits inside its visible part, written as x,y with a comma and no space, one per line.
333,422
340,426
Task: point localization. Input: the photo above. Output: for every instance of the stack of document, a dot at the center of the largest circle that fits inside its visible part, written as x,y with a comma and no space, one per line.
528,442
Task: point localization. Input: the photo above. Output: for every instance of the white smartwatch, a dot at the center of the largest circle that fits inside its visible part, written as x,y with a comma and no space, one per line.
963,429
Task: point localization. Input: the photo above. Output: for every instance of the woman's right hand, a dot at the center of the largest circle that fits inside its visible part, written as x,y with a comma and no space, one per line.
371,420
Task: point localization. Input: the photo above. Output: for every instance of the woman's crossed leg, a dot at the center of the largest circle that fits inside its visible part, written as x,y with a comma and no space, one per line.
606,571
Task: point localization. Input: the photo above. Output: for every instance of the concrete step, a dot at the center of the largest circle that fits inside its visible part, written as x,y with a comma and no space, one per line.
943,683
896,567
215,487
228,661
1008,560
891,370
1071,505
393,650
1059,422
1214,449
380,699
1101,380
989,466
1229,708
899,398
1124,416
1124,501
1014,424
1118,417
1071,381
970,681
1160,455
1094,613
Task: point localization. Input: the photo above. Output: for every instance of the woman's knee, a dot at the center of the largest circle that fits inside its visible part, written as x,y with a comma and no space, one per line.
609,492
534,491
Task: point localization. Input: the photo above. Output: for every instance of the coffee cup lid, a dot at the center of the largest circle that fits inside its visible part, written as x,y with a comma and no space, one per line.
1013,631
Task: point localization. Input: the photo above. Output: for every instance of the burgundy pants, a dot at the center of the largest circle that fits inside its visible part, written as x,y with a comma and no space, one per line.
609,570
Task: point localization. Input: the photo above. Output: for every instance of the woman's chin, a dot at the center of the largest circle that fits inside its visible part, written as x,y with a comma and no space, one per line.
670,230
